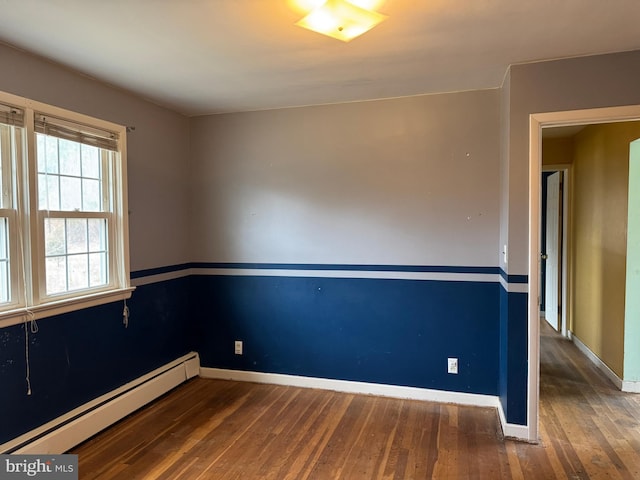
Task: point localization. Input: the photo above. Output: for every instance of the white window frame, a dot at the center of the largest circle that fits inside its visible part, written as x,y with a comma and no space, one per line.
10,212
27,246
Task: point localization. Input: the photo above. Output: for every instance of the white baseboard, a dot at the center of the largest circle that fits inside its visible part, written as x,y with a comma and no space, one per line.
611,375
630,387
347,386
623,385
67,431
513,431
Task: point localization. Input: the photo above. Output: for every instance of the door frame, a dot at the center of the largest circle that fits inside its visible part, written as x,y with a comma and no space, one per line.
537,121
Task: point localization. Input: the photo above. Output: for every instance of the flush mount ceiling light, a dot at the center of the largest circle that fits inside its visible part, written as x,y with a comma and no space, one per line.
341,19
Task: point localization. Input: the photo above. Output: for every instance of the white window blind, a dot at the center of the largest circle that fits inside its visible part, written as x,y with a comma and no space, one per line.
84,134
10,115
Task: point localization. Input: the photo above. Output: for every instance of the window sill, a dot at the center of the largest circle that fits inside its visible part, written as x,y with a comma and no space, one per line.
50,309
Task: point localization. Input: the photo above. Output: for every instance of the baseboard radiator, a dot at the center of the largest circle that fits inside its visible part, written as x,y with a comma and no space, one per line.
67,431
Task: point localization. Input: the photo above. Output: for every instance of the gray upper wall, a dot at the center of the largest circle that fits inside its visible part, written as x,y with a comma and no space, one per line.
561,85
158,150
505,93
404,181
386,181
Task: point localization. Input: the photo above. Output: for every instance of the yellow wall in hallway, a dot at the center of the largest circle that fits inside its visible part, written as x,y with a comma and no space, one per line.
601,175
557,151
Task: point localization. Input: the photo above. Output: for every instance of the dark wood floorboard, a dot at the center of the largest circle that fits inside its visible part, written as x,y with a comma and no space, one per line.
214,429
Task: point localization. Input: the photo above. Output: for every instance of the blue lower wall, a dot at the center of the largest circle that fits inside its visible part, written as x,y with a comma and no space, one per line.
397,332
79,356
514,334
504,347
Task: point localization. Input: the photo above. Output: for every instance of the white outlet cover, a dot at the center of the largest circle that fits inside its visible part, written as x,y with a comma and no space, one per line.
452,365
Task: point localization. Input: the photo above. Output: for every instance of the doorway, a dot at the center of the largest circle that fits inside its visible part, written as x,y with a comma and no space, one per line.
554,215
538,122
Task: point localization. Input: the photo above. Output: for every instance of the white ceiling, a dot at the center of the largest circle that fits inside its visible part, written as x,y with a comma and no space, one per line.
209,56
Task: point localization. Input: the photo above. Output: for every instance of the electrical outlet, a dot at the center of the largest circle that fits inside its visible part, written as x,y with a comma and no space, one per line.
238,347
452,365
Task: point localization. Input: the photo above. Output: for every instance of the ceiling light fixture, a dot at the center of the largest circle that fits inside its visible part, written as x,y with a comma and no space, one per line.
341,19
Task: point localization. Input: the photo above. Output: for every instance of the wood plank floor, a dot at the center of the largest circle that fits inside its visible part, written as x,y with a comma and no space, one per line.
589,429
210,429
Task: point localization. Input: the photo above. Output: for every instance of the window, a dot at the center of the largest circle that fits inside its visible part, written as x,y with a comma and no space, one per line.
11,148
63,231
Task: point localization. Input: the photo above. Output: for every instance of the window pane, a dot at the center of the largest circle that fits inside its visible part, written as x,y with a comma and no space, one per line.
76,253
91,196
69,158
97,234
4,244
5,281
54,236
10,140
90,162
70,175
48,192
53,192
78,271
5,158
51,155
42,192
56,268
40,146
76,235
97,269
70,193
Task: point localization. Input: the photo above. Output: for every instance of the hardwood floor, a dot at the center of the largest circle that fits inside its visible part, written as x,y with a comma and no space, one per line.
589,428
211,429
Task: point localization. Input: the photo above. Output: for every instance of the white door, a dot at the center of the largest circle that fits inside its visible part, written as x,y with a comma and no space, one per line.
552,278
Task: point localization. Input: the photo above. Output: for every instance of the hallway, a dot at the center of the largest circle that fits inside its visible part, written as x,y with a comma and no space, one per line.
588,428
